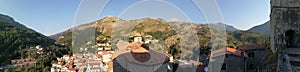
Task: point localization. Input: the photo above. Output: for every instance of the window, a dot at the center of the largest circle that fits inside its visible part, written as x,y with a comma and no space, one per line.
251,54
223,67
251,66
290,39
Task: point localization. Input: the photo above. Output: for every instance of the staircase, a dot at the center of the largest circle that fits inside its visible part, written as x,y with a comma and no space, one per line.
283,63
294,58
288,58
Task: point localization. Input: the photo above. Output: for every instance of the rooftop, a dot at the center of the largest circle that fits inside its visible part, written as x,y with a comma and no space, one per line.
229,51
253,47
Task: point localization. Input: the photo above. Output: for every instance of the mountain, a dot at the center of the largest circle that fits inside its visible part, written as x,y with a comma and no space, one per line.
230,28
170,33
263,28
15,37
56,36
11,21
160,29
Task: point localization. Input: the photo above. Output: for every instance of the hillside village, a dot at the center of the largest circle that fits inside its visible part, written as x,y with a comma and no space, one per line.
248,57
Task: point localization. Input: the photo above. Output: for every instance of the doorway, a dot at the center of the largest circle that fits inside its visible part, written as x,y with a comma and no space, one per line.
290,38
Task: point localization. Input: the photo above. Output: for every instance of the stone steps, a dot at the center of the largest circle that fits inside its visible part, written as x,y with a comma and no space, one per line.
296,68
293,51
295,63
284,66
297,59
294,58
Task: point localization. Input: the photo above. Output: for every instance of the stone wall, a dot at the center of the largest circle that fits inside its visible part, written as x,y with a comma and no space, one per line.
259,57
285,3
285,15
234,63
285,30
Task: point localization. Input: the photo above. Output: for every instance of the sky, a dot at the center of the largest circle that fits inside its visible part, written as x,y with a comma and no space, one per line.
53,16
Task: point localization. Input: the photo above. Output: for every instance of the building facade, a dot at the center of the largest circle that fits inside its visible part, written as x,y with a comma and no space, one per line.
257,53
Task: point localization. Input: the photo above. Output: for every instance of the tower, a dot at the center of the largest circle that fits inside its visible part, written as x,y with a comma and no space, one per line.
285,30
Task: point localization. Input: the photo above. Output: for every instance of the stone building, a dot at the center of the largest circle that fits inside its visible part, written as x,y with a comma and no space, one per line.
257,53
285,33
138,38
234,61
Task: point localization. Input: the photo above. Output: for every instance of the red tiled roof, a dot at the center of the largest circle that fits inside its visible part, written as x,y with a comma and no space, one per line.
230,51
255,46
236,52
99,56
72,69
94,63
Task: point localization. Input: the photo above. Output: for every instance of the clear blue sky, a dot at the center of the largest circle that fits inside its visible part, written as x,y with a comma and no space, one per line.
53,16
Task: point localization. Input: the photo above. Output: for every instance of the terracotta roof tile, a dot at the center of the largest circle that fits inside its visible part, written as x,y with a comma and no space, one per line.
255,46
236,52
228,51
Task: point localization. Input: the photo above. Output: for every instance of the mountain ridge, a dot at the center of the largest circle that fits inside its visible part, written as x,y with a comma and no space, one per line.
156,27
55,36
262,28
11,21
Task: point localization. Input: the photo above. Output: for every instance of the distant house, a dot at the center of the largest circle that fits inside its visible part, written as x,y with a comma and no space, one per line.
148,39
66,57
234,59
103,46
86,62
18,63
138,38
187,66
94,66
257,53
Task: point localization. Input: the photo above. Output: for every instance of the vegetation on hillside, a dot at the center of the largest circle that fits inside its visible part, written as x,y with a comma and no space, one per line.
237,38
14,39
262,29
17,43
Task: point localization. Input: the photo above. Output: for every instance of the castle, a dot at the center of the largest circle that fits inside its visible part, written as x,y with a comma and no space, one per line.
285,34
